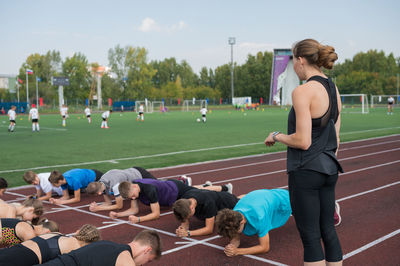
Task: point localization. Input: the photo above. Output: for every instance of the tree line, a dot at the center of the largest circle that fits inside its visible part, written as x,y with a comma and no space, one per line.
133,76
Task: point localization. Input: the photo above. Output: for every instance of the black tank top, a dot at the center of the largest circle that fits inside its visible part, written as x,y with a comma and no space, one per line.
49,248
320,156
12,223
99,253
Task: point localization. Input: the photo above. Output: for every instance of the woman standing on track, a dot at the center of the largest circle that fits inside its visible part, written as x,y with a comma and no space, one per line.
46,247
313,140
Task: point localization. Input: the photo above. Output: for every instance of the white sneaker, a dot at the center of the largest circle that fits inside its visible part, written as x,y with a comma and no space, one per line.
230,188
207,184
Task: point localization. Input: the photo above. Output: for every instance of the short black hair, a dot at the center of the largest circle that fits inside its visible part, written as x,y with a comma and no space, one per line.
3,183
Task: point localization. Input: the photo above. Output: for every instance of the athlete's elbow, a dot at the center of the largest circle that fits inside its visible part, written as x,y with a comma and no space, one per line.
305,145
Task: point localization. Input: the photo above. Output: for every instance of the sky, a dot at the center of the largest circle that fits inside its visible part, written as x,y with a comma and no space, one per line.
195,31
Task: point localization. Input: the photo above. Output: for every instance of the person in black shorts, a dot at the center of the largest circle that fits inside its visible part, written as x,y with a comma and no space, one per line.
46,247
145,247
390,105
204,205
155,193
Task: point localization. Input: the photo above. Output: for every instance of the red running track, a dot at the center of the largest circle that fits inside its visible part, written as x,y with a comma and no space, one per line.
368,193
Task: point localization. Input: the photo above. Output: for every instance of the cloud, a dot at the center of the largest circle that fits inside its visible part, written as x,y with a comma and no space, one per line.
149,25
257,46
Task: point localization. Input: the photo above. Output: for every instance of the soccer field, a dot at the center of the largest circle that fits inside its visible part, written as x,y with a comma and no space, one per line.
161,140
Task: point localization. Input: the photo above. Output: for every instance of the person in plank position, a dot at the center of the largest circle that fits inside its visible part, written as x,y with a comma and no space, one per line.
155,193
204,205
108,186
145,247
72,181
256,213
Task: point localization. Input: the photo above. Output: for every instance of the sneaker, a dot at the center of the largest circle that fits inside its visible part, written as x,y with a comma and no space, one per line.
186,180
337,218
230,188
207,184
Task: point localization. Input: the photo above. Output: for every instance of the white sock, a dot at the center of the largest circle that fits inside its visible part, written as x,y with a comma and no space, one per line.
105,124
142,117
37,126
33,127
63,122
12,128
102,124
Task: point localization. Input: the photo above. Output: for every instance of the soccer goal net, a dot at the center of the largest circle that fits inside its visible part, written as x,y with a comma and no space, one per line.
157,106
193,105
355,103
146,106
381,100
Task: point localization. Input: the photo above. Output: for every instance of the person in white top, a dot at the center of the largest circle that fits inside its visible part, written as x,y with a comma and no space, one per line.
390,105
34,115
64,114
203,112
140,115
87,113
105,117
42,185
12,115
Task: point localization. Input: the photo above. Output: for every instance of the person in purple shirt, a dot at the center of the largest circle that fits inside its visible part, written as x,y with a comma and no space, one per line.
155,193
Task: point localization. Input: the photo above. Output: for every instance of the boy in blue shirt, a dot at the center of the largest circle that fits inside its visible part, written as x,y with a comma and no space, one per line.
256,213
73,180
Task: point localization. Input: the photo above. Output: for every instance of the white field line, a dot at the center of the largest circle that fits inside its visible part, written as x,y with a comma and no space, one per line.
371,244
132,158
113,161
49,128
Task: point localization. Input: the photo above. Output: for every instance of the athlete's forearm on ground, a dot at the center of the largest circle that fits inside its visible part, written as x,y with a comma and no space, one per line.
45,197
128,212
107,207
252,250
72,200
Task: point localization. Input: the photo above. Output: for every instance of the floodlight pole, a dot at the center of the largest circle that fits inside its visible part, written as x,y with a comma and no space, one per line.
232,41
27,89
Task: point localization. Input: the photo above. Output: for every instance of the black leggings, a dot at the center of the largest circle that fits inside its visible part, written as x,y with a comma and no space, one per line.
312,197
144,172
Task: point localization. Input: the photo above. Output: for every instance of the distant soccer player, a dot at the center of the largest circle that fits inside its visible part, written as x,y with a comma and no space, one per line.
203,112
140,115
88,113
105,117
12,115
34,115
390,105
64,114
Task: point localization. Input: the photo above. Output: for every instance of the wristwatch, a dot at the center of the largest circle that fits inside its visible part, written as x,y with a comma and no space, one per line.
275,134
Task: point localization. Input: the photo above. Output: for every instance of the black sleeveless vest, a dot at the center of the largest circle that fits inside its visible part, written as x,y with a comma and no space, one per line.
320,156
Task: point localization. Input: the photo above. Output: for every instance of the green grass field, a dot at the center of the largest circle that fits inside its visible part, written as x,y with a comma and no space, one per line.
161,140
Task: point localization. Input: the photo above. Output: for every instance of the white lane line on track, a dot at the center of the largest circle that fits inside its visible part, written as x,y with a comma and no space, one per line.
371,244
368,191
160,155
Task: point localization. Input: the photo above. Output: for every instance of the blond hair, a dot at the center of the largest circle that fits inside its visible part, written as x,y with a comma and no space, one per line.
124,189
51,225
315,53
88,233
29,177
36,204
